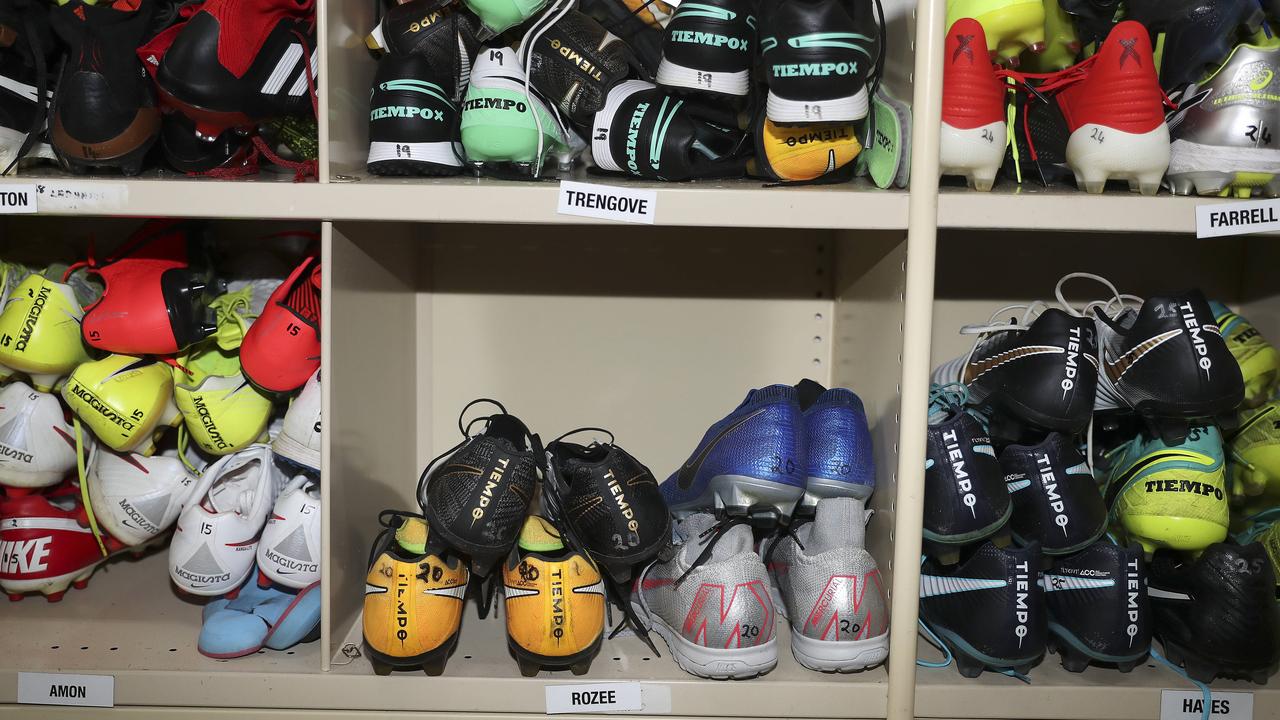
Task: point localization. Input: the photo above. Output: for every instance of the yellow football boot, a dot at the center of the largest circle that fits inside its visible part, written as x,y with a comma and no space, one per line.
40,331
800,153
554,598
412,600
1011,26
126,401
224,413
1258,359
1253,463
1170,496
1062,46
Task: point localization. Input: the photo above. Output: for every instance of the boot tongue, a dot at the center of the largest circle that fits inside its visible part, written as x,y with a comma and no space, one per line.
538,535
412,535
691,527
735,541
837,522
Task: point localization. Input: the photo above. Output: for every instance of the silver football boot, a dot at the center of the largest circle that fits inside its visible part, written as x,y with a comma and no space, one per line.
829,587
711,601
1223,130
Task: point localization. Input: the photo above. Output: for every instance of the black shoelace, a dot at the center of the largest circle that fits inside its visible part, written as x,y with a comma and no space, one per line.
465,429
712,536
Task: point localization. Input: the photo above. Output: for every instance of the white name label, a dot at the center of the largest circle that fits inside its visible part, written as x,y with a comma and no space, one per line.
15,199
608,202
1237,218
594,698
65,689
1189,704
81,197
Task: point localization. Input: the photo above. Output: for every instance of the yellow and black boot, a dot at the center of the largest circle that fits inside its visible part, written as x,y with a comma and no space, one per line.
554,598
412,600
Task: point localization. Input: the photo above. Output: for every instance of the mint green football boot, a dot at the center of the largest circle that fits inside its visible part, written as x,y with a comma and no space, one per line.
499,130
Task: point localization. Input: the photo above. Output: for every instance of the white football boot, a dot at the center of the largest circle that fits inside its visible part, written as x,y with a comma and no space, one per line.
299,440
289,551
37,445
216,541
135,497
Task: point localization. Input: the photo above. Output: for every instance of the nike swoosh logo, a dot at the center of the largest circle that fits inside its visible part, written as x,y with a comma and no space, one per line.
1256,85
1118,367
374,589
934,585
1159,594
977,368
684,478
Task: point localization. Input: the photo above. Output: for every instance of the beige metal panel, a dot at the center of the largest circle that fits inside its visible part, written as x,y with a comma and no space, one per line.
1031,208
653,335
267,195
722,203
37,712
1055,694
866,350
917,326
481,676
347,82
370,382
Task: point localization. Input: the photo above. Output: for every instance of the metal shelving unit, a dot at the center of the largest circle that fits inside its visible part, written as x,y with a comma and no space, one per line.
437,291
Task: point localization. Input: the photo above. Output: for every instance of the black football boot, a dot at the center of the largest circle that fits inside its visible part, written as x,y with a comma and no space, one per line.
611,502
26,62
989,611
965,498
574,63
443,39
413,120
818,59
1216,616
1056,502
104,113
646,131
709,47
235,64
185,152
475,496
644,37
1098,609
1167,361
1038,153
1043,377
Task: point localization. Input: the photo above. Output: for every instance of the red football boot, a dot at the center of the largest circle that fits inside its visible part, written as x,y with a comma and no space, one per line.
157,294
1114,110
973,108
47,545
282,348
236,63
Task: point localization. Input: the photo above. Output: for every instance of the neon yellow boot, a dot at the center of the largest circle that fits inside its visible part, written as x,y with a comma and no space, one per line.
1061,44
1171,496
40,331
126,401
1258,359
1011,26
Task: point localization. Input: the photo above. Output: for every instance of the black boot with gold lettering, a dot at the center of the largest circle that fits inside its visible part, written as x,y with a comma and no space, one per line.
476,495
610,501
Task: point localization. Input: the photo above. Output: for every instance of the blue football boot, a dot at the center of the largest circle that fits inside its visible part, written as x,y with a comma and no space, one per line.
838,445
750,464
